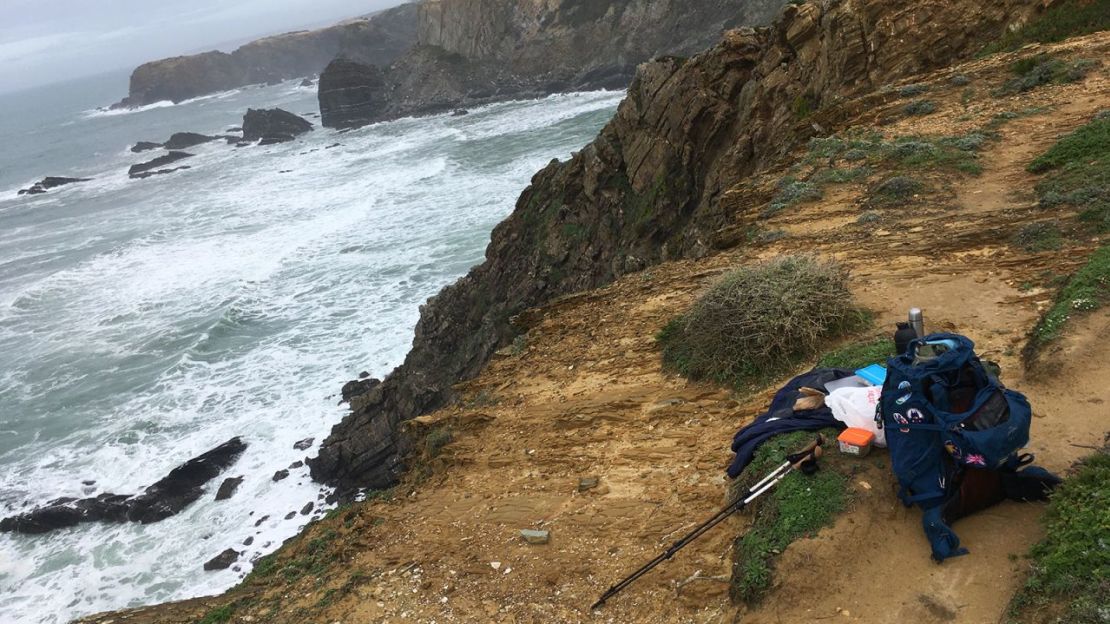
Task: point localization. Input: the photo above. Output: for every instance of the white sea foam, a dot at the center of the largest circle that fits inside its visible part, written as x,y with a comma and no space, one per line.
146,321
127,110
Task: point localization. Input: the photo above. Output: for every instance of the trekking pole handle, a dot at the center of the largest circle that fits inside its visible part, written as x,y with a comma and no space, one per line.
812,451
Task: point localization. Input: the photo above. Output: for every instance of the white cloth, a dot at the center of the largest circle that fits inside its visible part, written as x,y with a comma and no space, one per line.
855,407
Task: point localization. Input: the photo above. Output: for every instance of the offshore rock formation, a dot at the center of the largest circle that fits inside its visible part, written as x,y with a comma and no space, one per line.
474,51
273,125
649,188
379,39
151,167
167,497
48,183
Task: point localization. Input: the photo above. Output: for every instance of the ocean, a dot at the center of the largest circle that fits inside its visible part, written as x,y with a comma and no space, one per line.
143,322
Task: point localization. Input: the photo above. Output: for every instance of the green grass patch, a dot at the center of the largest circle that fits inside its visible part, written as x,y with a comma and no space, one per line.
1070,575
1043,69
1077,173
219,615
761,321
797,507
1072,18
1090,141
1087,290
436,440
859,354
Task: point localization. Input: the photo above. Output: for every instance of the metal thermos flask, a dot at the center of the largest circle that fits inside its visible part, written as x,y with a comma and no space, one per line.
917,321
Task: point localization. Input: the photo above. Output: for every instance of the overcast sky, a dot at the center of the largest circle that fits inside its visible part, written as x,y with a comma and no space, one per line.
45,41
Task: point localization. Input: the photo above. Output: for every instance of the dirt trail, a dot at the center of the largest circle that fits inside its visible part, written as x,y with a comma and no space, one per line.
585,397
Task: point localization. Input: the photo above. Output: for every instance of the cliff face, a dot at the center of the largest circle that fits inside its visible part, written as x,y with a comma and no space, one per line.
376,40
474,51
649,187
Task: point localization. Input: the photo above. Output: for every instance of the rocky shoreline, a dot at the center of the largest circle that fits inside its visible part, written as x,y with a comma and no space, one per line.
381,38
473,52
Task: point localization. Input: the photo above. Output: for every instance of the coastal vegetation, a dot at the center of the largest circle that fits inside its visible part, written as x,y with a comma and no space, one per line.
759,321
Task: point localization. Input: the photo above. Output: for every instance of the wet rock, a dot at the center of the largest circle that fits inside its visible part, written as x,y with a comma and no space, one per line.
261,520
307,509
248,541
296,464
180,488
147,174
149,167
307,82
281,474
183,485
304,445
234,129
144,146
182,140
48,183
352,94
273,125
290,515
228,487
89,482
459,112
222,561
535,537
358,387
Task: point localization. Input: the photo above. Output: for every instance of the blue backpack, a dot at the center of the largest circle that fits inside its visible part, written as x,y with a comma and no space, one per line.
946,415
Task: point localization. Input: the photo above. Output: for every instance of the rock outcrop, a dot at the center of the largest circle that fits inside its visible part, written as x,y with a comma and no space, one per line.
173,493
273,125
48,183
649,188
379,39
151,167
473,51
183,140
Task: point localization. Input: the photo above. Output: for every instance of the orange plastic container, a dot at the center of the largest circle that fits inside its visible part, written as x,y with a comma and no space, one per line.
855,441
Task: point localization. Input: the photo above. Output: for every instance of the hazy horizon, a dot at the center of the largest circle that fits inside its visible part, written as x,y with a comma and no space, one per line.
49,41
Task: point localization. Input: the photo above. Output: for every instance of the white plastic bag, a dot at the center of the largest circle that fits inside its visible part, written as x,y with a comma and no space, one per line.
855,407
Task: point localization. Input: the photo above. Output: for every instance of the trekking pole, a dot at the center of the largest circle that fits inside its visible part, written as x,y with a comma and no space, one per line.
804,460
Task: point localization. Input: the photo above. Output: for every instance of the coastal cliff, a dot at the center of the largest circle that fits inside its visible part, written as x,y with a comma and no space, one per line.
649,188
470,52
379,39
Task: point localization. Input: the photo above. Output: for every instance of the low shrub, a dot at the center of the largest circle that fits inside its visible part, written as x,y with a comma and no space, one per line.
912,90
436,440
920,107
869,217
792,191
759,321
1043,69
897,188
1039,236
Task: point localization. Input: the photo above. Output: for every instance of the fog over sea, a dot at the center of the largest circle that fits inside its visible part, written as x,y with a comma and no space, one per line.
143,322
